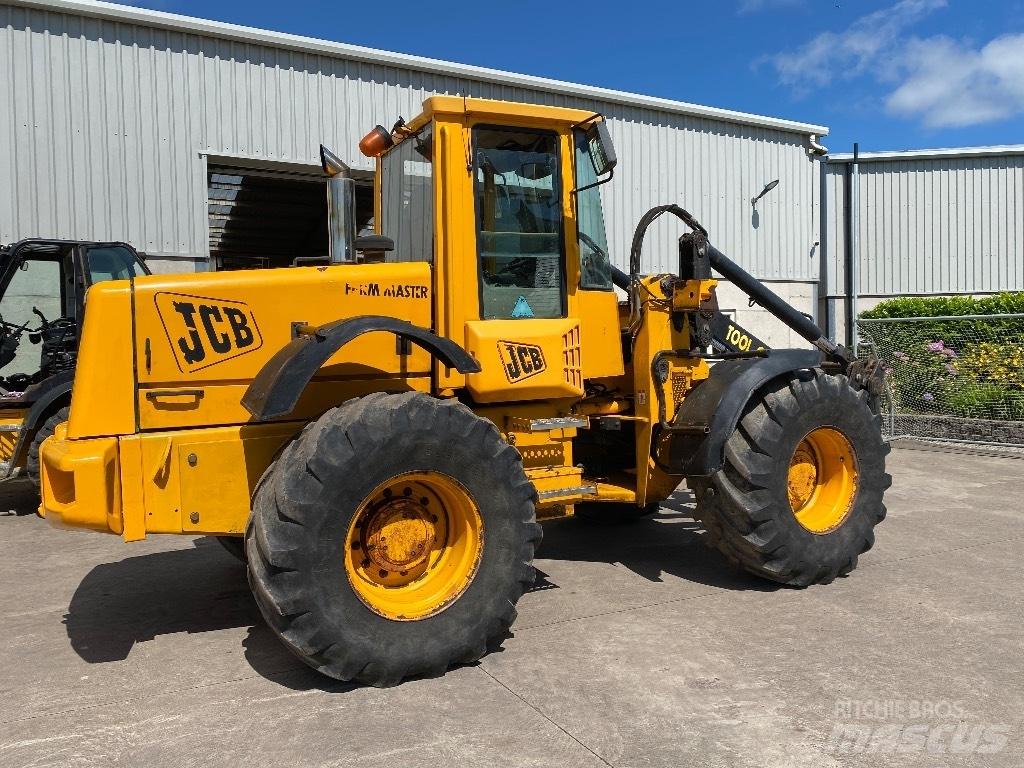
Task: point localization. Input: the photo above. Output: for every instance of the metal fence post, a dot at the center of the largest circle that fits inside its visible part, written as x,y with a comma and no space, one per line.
855,244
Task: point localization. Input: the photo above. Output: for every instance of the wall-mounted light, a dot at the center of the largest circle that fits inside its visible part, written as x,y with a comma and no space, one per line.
767,188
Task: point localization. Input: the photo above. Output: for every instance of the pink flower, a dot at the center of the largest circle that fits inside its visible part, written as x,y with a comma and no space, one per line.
936,346
927,397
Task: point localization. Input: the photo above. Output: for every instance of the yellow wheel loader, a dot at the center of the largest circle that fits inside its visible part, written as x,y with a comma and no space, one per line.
383,430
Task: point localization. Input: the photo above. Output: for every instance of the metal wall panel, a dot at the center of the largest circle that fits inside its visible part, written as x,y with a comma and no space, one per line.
110,120
942,224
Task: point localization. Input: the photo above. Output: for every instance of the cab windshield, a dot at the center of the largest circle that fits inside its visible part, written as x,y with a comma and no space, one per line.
519,223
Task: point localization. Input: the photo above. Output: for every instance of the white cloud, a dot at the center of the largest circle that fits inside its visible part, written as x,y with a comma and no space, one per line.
846,54
950,84
938,80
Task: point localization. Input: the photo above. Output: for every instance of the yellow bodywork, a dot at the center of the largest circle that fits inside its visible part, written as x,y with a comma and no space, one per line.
158,440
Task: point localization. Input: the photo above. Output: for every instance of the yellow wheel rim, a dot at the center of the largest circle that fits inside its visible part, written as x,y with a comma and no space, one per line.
822,480
414,545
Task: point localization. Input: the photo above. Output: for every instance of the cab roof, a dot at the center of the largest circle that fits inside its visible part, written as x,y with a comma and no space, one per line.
460,105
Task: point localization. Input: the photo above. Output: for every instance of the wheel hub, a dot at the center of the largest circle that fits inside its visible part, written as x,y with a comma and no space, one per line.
822,480
413,545
803,476
399,535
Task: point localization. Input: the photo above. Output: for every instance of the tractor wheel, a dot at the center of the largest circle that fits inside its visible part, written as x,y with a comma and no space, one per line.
801,488
392,539
48,428
235,545
612,512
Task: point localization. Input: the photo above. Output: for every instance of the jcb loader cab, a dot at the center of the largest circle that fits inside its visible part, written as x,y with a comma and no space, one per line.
385,430
42,301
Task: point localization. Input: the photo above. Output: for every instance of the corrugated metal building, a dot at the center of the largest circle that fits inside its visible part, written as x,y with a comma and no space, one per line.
179,135
920,223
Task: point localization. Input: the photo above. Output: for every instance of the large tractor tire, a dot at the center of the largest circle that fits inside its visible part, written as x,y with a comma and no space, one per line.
48,428
393,539
800,491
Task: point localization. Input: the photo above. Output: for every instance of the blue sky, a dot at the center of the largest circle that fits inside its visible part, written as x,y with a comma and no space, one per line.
891,74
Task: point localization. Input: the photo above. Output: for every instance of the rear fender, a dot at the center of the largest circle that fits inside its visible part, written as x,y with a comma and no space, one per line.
709,414
276,389
51,394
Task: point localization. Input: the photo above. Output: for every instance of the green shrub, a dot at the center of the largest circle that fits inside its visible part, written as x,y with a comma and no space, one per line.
1001,364
985,400
961,367
957,334
939,306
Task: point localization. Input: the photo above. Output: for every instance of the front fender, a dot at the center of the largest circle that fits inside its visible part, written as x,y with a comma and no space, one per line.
709,414
277,387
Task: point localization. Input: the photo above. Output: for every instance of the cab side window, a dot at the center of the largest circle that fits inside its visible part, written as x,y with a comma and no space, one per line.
35,284
407,198
517,188
111,262
595,264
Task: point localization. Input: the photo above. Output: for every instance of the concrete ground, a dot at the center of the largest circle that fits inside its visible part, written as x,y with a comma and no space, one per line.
638,647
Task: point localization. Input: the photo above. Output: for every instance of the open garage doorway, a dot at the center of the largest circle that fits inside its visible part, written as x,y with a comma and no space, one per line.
261,218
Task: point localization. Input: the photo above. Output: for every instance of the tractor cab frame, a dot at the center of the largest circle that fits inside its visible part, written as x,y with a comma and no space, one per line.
43,286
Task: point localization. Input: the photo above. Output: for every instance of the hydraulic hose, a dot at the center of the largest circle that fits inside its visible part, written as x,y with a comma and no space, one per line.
619,278
754,288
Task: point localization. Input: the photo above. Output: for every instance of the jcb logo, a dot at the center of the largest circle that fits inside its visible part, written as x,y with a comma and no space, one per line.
521,361
204,331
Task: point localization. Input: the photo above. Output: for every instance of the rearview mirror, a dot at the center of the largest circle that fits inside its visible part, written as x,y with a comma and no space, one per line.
600,148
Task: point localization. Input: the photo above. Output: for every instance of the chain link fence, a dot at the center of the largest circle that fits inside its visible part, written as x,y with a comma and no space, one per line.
955,379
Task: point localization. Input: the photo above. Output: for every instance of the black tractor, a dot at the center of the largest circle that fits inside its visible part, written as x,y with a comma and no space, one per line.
43,289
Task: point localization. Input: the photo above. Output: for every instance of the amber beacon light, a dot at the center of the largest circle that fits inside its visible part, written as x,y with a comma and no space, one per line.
376,142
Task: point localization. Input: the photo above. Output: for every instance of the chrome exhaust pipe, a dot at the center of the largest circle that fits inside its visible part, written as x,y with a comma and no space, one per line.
341,207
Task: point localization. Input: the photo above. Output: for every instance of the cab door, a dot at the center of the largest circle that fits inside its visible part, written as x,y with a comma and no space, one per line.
524,335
